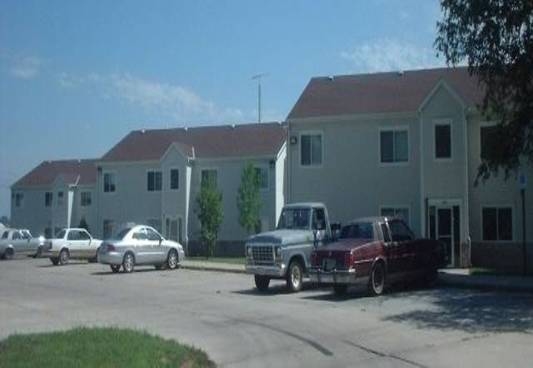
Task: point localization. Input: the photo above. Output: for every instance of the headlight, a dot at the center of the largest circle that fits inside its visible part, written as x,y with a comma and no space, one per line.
277,251
249,251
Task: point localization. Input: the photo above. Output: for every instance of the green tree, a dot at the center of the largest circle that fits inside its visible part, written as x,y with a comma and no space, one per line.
83,224
210,214
249,199
495,38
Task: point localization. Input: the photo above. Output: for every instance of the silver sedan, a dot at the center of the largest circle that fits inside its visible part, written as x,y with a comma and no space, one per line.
140,245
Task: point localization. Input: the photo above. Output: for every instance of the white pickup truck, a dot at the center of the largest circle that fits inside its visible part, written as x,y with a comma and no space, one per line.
71,243
285,252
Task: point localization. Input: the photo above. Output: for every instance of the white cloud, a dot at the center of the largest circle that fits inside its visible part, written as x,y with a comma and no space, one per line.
26,67
391,55
169,100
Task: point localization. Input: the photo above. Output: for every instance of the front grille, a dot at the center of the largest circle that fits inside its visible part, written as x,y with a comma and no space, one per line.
262,254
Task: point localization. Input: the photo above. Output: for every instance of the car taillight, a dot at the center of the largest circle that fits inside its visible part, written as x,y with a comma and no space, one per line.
348,259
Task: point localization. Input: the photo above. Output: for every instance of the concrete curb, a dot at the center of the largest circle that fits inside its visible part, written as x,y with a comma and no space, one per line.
492,283
212,268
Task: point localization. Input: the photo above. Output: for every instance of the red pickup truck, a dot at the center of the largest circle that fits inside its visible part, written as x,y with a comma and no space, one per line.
376,251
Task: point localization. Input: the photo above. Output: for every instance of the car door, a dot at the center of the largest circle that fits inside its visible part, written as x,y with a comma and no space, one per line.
403,239
86,250
18,242
74,244
140,246
157,250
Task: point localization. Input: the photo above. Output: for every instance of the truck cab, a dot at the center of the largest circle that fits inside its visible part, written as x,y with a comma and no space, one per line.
285,252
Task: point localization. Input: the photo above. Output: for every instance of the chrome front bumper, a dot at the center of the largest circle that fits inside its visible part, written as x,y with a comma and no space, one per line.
334,277
276,270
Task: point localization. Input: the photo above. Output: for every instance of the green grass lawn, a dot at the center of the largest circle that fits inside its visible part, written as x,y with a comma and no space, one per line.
98,347
233,260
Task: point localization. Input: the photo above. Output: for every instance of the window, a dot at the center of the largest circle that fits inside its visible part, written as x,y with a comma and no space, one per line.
209,175
497,223
311,150
294,218
16,235
400,212
86,199
139,235
385,232
319,219
262,176
60,198
73,235
400,231
19,200
394,146
48,198
174,179
109,182
152,235
108,228
154,181
361,230
488,140
5,234
84,235
443,141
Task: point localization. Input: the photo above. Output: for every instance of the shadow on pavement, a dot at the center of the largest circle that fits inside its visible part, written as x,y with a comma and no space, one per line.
471,311
276,289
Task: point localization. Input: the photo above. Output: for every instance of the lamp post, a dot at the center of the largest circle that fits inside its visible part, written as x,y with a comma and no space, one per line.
523,183
258,78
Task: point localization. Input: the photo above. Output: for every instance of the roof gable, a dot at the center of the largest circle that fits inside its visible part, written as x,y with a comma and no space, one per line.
82,172
200,142
392,92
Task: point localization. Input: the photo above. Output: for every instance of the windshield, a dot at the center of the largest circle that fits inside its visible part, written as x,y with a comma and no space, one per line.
61,234
122,233
360,230
294,218
26,234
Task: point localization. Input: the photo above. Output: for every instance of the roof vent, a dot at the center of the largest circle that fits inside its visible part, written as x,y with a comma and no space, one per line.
331,77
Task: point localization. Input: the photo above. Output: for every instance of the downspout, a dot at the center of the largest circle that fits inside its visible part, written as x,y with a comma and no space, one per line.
423,198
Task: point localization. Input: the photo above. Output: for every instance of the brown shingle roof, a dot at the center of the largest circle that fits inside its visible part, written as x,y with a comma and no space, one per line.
47,172
208,142
381,92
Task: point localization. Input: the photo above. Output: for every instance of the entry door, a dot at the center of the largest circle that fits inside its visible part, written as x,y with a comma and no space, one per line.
445,231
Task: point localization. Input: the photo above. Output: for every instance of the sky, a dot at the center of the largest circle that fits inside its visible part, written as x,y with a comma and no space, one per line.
77,76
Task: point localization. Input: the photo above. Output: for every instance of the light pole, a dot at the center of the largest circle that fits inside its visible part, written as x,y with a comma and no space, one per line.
258,77
523,183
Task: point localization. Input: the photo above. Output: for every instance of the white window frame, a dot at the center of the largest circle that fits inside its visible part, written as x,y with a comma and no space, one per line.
170,178
442,122
60,202
398,207
311,132
497,207
264,167
484,124
51,199
90,196
146,180
114,173
394,128
21,202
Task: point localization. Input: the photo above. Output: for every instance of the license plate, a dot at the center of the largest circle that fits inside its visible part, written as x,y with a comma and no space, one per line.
329,264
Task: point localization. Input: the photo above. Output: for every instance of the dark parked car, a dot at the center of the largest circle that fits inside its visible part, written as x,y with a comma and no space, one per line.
376,251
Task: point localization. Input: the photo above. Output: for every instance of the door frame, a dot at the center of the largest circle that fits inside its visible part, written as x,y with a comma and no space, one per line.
448,203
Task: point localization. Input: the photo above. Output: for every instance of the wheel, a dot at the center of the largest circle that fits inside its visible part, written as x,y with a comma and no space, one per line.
295,276
376,284
38,253
172,259
54,260
63,257
262,282
340,289
115,268
128,264
9,253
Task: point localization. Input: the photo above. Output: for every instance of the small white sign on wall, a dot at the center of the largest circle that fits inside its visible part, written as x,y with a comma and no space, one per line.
522,180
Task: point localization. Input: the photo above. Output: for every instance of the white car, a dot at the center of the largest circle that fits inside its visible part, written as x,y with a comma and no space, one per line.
19,241
140,245
71,243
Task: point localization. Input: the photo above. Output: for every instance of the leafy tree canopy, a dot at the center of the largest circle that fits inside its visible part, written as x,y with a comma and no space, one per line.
495,38
249,199
210,214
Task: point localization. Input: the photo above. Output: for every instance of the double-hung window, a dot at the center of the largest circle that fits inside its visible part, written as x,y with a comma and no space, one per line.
443,141
394,145
497,223
109,182
48,199
174,179
85,199
311,149
154,181
209,175
262,177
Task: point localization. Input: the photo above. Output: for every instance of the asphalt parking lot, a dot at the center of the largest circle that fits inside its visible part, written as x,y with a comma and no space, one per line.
239,327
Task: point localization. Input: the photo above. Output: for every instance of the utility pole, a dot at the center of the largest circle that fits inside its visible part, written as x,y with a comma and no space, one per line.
523,183
258,78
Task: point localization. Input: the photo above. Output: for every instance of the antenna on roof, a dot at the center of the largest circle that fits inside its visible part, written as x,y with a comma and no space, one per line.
258,77
331,77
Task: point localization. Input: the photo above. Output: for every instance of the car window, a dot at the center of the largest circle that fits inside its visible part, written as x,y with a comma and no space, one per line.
152,234
26,234
386,234
84,235
16,235
139,235
5,234
294,218
73,235
61,234
400,231
122,233
319,219
360,230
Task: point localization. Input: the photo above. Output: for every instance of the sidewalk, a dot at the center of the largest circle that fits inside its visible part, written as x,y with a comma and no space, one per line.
212,266
459,277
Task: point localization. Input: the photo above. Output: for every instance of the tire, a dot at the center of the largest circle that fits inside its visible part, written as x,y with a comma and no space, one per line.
376,283
262,282
128,263
115,268
9,253
172,260
54,260
38,253
340,289
63,257
295,275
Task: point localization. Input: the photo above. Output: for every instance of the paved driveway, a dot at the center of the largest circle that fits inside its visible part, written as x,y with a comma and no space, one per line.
222,314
